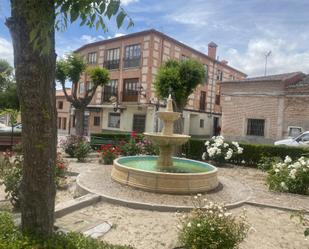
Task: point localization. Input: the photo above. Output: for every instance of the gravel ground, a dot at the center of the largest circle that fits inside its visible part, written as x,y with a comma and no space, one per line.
158,230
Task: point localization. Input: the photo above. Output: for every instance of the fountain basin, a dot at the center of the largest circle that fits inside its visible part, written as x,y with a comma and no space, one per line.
184,177
163,140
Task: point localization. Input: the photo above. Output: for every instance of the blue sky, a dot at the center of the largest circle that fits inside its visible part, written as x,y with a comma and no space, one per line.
243,29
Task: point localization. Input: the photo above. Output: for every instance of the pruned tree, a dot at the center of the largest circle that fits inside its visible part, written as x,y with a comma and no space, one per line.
71,69
179,78
32,26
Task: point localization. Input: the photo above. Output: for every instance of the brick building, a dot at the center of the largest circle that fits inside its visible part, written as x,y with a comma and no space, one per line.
265,109
129,102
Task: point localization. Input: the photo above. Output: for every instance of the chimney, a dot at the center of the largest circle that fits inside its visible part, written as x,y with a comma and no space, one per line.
212,50
225,62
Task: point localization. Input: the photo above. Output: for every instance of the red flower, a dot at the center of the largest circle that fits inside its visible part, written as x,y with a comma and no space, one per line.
133,134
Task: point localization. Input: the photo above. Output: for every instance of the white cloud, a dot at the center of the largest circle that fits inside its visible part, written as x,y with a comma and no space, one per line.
88,38
126,2
6,50
286,56
119,34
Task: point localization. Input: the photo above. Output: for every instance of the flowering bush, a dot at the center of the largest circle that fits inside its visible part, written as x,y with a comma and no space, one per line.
109,153
11,165
290,176
61,170
220,151
82,150
137,145
11,175
210,226
70,143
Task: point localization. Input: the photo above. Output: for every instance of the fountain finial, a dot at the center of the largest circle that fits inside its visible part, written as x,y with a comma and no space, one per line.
169,106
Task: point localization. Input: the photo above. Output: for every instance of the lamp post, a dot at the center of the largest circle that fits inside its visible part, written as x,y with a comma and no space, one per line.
266,57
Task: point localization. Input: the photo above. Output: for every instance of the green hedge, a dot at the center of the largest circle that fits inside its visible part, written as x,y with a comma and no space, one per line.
113,136
252,153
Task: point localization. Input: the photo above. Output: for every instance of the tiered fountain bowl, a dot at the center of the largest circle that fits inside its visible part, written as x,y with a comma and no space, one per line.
164,173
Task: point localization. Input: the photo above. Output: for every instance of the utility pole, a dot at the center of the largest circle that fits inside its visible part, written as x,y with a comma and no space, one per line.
266,57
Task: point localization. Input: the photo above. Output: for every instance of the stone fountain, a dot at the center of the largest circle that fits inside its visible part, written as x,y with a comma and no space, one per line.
164,173
167,140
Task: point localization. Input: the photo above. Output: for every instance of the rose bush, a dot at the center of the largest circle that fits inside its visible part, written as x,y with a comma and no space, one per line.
70,144
109,153
290,176
209,225
220,151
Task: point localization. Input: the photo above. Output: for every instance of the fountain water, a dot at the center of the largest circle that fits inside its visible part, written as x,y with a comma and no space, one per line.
165,173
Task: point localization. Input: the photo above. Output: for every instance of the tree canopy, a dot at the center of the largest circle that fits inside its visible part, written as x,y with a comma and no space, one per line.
179,77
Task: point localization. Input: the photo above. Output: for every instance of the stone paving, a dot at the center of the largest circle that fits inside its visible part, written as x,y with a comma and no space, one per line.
239,184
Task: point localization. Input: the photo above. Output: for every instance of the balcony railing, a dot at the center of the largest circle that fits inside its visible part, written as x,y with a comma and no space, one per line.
113,64
132,62
108,92
130,96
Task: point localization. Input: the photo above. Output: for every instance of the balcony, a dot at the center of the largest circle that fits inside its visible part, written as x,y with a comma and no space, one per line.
131,62
130,96
112,65
108,92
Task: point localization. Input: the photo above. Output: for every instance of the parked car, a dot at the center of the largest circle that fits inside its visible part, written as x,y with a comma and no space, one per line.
6,138
301,140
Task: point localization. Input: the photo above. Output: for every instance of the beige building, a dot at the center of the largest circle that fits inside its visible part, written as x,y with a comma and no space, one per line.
265,109
129,102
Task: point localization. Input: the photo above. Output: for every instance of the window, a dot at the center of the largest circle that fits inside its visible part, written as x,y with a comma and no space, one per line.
218,99
304,138
109,90
96,120
89,85
64,123
294,131
139,122
60,105
112,58
92,58
130,90
184,57
59,123
255,127
132,56
219,75
206,73
81,88
201,123
114,120
203,101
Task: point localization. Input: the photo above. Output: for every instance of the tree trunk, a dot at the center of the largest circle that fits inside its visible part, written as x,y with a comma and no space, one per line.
35,77
79,117
178,125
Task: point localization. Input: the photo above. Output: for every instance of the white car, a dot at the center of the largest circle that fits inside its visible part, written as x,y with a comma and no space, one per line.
301,140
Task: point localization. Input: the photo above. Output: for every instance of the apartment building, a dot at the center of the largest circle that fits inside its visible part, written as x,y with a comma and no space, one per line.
129,101
265,109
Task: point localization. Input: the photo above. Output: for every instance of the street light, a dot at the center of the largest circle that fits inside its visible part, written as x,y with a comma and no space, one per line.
266,57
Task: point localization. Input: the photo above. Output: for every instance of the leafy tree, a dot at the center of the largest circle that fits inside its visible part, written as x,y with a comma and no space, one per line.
179,78
8,93
71,69
32,26
6,73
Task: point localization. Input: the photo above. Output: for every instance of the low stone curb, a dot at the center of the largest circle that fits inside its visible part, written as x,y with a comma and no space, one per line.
76,204
167,208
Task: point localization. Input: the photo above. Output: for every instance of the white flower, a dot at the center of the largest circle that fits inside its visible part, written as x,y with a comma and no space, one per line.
277,170
198,225
207,143
283,185
204,156
199,195
287,159
243,161
189,224
220,215
240,150
227,214
225,145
